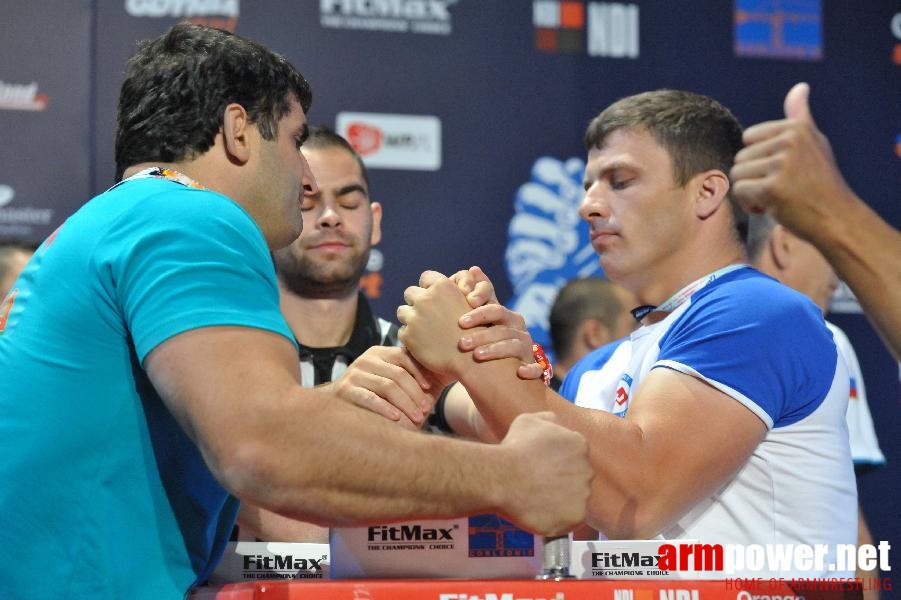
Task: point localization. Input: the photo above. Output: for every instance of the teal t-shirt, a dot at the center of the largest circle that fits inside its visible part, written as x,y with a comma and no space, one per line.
103,495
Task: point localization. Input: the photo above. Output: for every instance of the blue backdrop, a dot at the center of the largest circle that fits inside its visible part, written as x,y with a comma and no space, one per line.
471,114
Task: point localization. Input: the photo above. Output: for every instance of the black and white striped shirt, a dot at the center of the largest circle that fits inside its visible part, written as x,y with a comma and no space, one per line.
322,365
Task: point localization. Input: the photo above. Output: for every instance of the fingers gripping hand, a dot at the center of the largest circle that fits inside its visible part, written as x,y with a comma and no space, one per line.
430,330
555,481
387,381
507,337
476,286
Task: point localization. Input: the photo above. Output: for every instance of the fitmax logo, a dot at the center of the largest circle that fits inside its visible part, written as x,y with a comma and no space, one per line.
281,563
407,533
605,560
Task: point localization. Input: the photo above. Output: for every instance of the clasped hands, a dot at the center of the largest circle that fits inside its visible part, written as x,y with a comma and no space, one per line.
447,323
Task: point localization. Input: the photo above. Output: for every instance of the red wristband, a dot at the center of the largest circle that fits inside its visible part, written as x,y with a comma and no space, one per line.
541,359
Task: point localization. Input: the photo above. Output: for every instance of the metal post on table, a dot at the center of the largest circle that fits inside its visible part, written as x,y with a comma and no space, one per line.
555,562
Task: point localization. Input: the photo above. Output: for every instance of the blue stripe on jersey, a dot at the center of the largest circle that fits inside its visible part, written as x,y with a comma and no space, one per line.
592,361
760,338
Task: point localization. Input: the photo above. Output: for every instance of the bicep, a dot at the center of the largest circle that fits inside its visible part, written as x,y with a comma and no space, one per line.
694,436
224,383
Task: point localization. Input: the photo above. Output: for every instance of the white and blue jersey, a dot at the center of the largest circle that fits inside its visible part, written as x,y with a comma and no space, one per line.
767,347
865,448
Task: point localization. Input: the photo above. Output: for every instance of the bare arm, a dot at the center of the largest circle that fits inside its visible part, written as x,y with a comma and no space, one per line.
787,168
384,380
301,453
870,264
257,523
650,468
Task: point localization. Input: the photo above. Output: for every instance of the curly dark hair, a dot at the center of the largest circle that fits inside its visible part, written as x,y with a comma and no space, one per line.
177,86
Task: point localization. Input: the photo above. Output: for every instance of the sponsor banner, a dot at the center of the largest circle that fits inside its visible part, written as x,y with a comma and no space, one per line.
253,561
791,30
22,96
621,559
601,29
215,13
21,222
431,17
564,589
482,546
391,141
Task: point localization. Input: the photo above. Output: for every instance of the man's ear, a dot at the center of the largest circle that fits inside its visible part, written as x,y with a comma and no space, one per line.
594,333
235,133
780,247
376,236
712,187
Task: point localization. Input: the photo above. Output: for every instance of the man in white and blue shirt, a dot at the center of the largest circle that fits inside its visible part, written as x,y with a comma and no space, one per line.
721,419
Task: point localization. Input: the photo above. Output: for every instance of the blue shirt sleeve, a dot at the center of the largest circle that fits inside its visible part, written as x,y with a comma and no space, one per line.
593,361
186,259
734,341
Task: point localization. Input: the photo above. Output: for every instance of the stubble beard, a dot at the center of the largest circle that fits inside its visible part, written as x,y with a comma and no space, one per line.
320,279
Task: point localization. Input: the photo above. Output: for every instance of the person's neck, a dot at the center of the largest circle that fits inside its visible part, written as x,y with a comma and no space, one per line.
183,168
661,284
320,322
203,170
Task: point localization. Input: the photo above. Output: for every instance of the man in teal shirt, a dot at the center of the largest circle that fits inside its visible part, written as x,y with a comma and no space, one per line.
148,379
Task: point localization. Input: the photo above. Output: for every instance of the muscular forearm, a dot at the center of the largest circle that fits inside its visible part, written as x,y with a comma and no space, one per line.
865,251
646,473
500,397
332,477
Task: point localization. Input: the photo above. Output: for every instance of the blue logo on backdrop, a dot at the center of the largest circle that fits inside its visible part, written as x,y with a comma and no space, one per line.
490,535
547,241
790,29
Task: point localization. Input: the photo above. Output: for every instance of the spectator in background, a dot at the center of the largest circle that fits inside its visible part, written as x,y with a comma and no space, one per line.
13,258
787,169
779,253
587,313
319,275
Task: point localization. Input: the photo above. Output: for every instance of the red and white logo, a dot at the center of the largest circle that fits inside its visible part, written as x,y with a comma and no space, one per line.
393,141
365,138
623,390
22,96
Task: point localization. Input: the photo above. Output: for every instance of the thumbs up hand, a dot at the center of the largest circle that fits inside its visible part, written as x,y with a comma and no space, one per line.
796,104
787,169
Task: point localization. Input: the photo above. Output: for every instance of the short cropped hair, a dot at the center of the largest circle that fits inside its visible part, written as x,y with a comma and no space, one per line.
697,132
760,228
578,301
